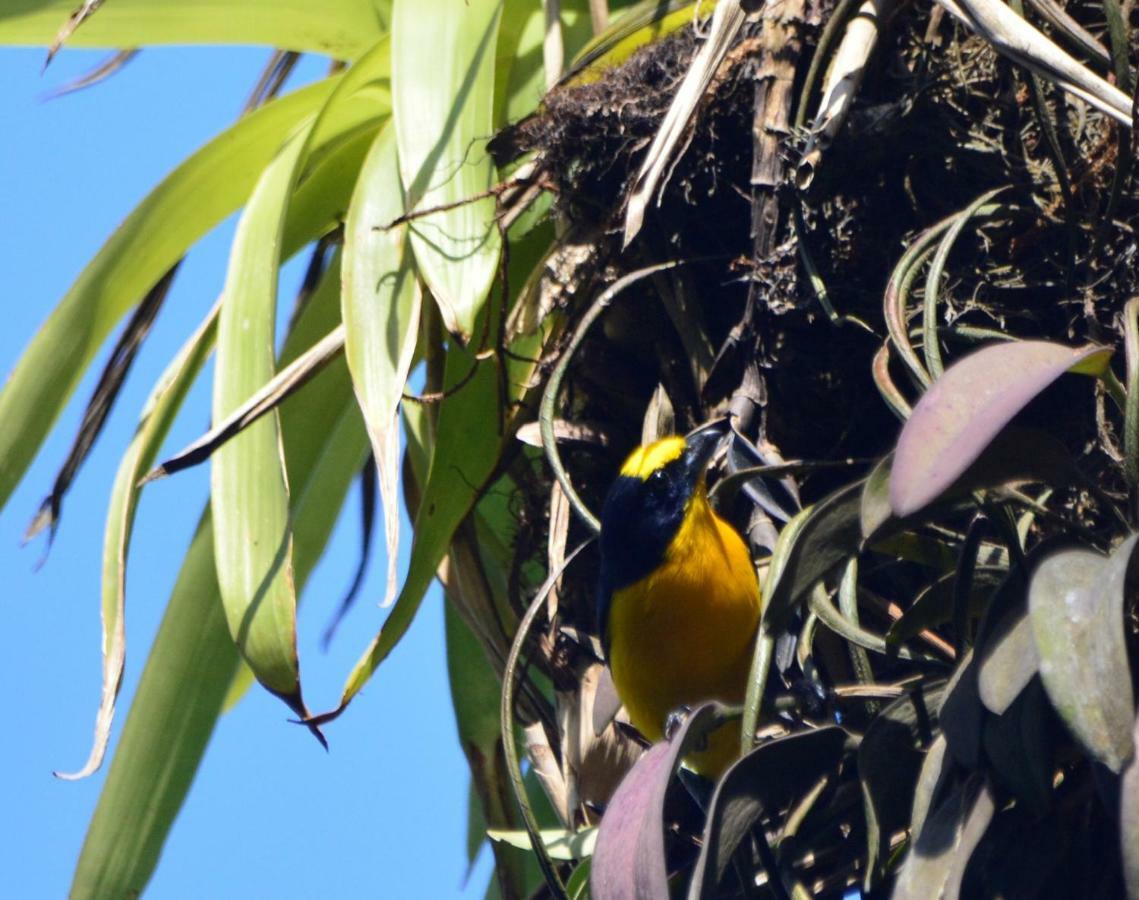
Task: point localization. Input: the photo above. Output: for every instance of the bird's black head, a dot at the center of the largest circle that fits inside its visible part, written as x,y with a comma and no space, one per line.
645,506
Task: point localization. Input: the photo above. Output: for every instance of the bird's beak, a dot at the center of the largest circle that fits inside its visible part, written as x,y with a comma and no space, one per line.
702,446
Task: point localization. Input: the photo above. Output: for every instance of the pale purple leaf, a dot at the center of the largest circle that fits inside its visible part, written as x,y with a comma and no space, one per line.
968,406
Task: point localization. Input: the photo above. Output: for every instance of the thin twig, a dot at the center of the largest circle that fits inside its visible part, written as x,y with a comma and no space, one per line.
280,387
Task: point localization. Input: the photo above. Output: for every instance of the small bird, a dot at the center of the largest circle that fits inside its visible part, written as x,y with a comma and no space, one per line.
679,600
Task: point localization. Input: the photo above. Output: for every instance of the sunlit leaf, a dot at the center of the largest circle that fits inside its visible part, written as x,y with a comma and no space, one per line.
264,400
519,74
443,105
1007,661
248,491
968,406
249,487
467,445
338,28
562,845
469,437
181,692
640,24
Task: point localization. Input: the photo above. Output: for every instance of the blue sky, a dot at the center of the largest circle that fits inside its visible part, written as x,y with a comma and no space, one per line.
270,814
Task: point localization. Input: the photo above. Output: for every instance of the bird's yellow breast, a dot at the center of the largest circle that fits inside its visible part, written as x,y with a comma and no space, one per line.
683,634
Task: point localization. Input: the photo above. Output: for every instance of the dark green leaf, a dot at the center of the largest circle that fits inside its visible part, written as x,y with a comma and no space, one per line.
934,605
819,538
1075,604
1129,821
475,692
1019,748
889,761
875,511
961,714
774,774
1019,857
935,866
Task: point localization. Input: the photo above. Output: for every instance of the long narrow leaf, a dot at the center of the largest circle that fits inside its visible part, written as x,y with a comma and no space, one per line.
381,302
467,447
249,495
443,105
101,403
182,688
157,418
471,431
475,695
249,487
189,202
193,660
325,190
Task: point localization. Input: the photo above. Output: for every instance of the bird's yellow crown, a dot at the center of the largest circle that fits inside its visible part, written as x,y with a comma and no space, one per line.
645,460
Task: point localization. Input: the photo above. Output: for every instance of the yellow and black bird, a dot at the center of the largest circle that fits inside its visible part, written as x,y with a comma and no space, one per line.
678,602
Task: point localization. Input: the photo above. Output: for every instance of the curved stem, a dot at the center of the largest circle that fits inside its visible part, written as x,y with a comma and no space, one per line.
930,348
553,386
848,606
756,683
506,719
819,603
1131,403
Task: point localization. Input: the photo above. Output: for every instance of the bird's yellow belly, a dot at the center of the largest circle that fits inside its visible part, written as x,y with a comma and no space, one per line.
684,634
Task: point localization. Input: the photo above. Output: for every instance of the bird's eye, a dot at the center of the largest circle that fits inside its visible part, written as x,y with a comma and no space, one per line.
657,481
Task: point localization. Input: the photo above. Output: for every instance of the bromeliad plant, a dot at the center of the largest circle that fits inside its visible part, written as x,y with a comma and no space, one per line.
805,218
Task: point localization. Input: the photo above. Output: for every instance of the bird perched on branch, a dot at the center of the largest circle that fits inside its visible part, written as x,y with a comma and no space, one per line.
679,602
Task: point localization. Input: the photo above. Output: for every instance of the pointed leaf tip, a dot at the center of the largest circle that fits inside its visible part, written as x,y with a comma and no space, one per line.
381,302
